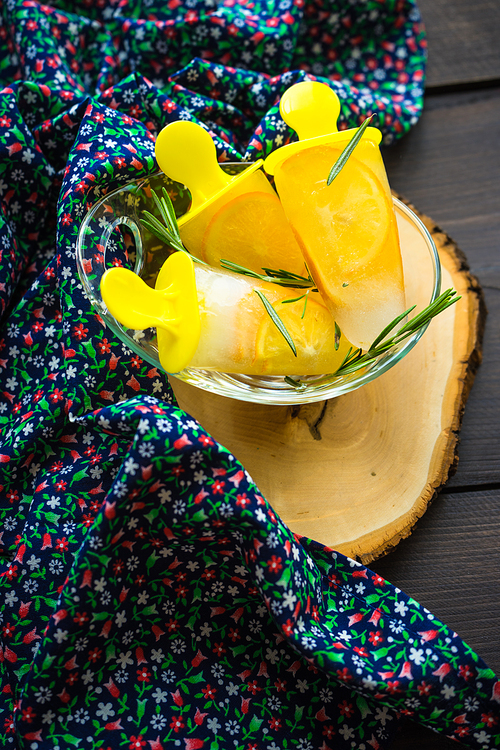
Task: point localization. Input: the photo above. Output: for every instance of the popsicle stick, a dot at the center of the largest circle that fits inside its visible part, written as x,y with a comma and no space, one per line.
358,471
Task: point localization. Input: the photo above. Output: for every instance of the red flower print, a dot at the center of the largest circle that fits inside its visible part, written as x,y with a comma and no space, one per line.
329,731
95,654
253,687
5,122
81,618
424,688
12,495
57,466
219,649
56,395
288,627
169,105
378,580
280,685
61,485
61,544
376,637
218,487
99,117
11,572
209,692
489,719
242,500
136,743
177,723
73,678
80,332
274,564
104,346
66,219
8,725
344,674
208,575
275,723
172,625
143,674
181,591
462,731
8,630
466,671
177,470
28,714
346,709
205,440
119,162
393,687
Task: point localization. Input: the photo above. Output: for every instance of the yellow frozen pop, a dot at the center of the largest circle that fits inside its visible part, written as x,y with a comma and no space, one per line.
235,218
347,230
215,320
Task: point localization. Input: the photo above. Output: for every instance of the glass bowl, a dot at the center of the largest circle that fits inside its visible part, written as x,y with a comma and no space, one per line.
111,234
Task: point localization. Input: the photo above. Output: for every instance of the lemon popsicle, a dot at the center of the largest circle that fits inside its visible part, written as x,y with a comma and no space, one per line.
347,230
235,218
227,327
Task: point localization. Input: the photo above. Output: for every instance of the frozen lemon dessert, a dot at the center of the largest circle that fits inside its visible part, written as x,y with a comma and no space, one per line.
240,218
226,326
347,229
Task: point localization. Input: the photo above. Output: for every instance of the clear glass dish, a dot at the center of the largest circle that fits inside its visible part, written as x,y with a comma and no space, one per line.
111,234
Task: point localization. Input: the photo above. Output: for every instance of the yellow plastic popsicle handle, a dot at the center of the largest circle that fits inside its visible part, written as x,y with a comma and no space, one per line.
311,109
171,308
186,153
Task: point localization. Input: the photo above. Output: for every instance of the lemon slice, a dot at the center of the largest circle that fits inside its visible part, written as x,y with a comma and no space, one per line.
252,230
313,336
349,238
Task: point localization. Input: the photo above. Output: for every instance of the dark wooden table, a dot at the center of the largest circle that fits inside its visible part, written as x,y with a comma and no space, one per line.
449,167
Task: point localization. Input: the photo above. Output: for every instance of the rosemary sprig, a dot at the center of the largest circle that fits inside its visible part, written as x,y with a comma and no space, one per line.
276,320
168,231
356,360
276,276
344,156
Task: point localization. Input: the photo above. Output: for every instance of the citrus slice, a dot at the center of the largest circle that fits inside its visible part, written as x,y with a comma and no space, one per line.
313,336
349,238
252,230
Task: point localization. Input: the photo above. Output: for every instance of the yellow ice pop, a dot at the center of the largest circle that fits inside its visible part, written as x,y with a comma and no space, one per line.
347,230
235,218
215,320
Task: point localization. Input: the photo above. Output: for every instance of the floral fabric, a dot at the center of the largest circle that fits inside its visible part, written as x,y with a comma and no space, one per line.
149,595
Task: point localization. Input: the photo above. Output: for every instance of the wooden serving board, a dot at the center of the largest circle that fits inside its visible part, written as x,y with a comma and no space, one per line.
356,472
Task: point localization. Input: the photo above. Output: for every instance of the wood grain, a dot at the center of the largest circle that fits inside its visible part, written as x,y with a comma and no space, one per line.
356,472
449,165
463,41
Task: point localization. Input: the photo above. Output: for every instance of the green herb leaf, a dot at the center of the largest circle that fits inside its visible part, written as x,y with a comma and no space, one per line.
291,381
338,334
275,276
295,299
357,360
276,320
344,156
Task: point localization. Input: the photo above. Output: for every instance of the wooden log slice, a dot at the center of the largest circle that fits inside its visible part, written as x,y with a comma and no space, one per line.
356,472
